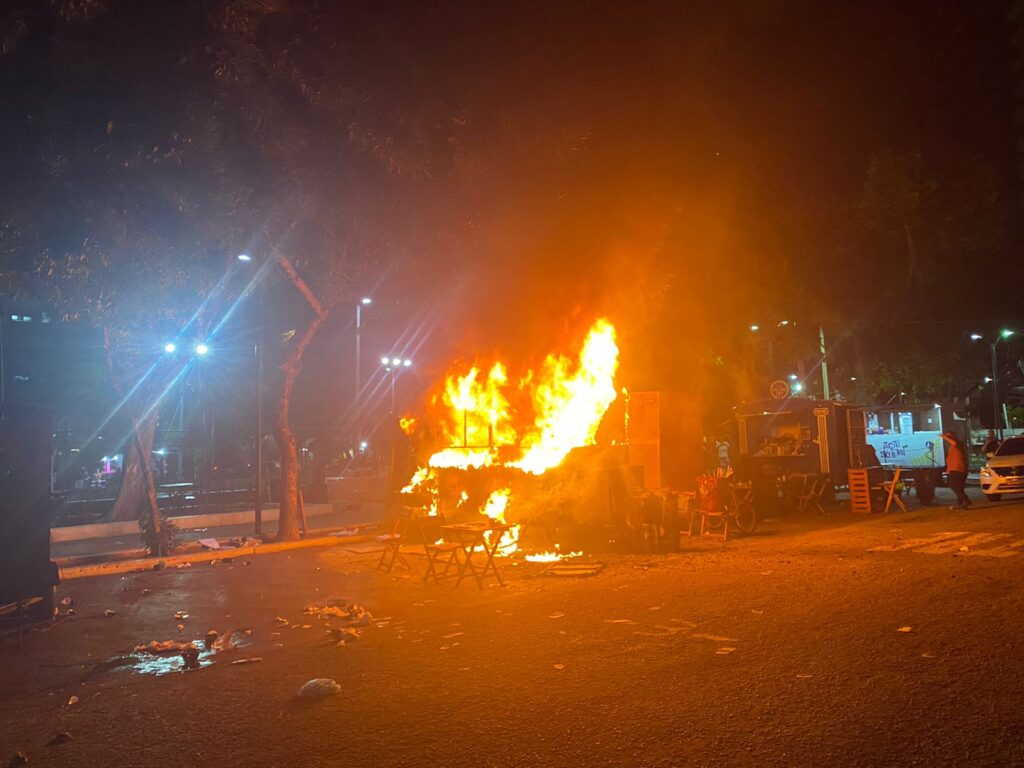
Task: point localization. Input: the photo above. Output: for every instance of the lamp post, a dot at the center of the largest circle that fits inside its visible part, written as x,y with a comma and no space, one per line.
363,302
1003,334
257,350
393,365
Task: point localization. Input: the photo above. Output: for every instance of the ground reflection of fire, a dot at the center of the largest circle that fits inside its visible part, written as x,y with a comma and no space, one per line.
557,408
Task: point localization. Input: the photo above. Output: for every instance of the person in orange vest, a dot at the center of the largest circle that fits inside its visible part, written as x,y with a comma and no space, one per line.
956,469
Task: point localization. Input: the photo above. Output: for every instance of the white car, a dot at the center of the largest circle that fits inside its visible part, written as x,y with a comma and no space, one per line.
1004,472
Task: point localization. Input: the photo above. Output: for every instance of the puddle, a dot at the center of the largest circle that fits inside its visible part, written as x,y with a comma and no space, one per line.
168,663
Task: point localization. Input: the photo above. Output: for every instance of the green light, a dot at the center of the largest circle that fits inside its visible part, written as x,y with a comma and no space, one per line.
1006,333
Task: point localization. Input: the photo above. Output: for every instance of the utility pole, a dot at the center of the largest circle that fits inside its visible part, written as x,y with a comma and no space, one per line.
995,390
824,362
258,503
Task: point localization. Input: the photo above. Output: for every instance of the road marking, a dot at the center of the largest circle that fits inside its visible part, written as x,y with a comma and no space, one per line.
958,542
945,547
925,541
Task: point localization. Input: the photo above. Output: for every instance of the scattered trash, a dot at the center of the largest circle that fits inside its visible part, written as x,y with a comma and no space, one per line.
211,638
281,621
927,655
181,628
573,569
59,738
903,629
209,543
65,601
19,758
559,666
250,660
158,647
342,635
654,608
619,621
714,638
71,612
180,615
159,566
145,591
110,612
756,610
190,655
556,615
183,565
805,677
319,688
724,651
453,634
72,701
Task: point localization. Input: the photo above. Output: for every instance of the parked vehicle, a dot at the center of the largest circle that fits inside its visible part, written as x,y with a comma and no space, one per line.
1004,470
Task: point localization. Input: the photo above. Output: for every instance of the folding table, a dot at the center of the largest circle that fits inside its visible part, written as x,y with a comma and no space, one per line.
471,536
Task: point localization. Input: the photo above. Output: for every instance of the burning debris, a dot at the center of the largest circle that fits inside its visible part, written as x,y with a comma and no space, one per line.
498,438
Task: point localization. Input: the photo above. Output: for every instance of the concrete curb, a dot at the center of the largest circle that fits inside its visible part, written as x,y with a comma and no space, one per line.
212,520
147,563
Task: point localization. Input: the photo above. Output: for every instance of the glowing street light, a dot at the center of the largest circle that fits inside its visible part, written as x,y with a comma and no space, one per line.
1005,333
170,347
202,350
393,364
244,257
755,328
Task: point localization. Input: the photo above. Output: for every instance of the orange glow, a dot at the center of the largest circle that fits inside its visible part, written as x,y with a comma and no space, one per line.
407,424
567,400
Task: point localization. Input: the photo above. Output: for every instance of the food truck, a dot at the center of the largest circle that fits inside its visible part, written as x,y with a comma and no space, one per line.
794,436
910,437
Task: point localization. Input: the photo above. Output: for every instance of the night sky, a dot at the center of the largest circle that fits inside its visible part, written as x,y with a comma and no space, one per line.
511,170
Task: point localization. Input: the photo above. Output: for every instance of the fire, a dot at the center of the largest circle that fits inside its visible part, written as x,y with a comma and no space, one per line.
567,400
407,424
569,408
551,557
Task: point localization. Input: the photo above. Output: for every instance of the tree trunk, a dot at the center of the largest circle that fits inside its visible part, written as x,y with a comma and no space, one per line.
138,492
288,516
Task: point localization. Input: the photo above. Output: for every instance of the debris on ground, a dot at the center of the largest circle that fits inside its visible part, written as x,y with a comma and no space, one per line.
559,666
209,543
59,738
72,701
110,612
341,635
724,651
159,647
211,637
556,615
66,601
190,655
904,629
180,615
281,621
250,660
319,688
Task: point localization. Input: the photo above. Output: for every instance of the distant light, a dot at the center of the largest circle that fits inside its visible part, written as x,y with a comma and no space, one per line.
783,323
170,347
987,379
366,300
853,378
162,452
363,445
937,405
976,337
793,377
105,458
15,318
407,363
902,394
244,257
797,386
755,328
386,360
202,349
1005,333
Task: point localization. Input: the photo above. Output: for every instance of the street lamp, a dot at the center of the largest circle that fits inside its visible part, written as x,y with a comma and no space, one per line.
202,350
1003,334
363,302
393,364
170,347
257,507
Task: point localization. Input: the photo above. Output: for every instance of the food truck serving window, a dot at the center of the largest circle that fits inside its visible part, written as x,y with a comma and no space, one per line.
903,422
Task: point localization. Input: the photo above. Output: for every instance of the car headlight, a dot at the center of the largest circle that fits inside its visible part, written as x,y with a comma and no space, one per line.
986,472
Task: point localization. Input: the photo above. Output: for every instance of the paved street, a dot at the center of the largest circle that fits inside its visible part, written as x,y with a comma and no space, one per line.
826,641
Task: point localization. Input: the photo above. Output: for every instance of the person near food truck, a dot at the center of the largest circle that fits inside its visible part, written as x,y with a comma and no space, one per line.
991,443
956,469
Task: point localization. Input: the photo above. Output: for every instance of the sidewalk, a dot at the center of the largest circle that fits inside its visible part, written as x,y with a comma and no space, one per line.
128,545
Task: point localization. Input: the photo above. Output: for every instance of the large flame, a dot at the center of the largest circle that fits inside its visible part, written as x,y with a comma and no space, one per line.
568,400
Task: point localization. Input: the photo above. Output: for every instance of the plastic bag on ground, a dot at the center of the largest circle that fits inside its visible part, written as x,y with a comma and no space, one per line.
319,687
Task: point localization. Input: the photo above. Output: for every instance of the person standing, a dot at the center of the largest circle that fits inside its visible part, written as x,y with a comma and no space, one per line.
956,469
991,443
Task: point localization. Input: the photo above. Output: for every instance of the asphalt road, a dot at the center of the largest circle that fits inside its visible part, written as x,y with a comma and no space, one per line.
780,649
